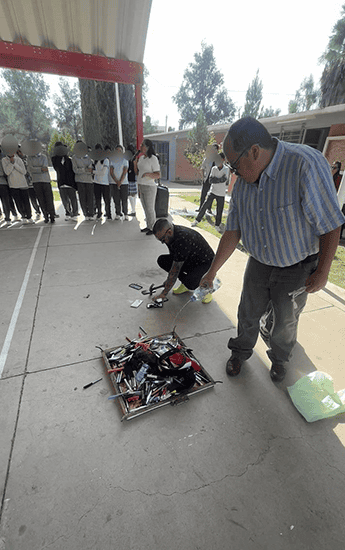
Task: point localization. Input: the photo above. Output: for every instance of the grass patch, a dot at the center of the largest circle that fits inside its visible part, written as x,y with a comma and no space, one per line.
205,224
337,272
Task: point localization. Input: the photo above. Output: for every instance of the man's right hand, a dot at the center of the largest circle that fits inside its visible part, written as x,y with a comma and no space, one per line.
207,280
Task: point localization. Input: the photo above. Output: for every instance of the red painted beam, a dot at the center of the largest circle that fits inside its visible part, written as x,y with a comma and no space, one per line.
65,63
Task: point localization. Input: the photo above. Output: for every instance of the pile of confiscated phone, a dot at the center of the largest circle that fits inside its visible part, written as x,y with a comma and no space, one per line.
147,373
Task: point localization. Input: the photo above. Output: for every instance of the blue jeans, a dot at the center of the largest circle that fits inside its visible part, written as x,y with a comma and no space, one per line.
266,286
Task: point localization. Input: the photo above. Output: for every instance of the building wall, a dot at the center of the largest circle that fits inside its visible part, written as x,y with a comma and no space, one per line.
335,148
337,130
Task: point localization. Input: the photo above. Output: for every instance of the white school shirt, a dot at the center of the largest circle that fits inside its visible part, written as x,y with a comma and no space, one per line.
222,175
146,164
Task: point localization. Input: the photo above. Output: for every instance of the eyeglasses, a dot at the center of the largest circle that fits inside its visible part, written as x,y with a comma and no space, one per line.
233,166
162,239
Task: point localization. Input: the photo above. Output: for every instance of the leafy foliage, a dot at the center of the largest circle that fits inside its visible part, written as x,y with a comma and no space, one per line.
202,88
332,86
198,139
253,97
149,128
67,108
269,112
23,109
64,137
306,96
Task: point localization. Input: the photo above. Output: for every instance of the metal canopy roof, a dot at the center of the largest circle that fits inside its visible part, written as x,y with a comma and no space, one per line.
93,39
43,35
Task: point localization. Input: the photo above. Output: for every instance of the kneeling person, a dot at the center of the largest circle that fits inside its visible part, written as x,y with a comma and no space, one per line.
189,258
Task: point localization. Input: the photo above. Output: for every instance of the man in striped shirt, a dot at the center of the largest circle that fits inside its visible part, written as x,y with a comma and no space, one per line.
285,209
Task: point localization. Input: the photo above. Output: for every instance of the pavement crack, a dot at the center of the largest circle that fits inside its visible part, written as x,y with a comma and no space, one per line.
259,459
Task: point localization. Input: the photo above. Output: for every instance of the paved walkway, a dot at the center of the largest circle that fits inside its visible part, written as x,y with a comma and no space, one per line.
236,467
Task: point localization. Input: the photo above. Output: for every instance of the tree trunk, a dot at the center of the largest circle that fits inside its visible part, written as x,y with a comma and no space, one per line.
98,104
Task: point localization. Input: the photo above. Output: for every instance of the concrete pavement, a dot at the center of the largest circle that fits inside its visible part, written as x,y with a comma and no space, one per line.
235,468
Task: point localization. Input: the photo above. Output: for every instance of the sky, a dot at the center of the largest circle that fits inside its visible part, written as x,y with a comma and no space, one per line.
283,40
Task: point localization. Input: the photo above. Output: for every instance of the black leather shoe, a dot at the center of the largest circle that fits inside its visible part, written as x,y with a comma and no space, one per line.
233,366
145,230
277,373
149,232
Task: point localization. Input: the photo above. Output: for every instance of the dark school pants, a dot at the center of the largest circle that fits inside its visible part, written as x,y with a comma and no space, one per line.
204,190
44,193
266,286
5,201
190,277
102,191
69,200
34,200
21,199
85,192
207,205
120,197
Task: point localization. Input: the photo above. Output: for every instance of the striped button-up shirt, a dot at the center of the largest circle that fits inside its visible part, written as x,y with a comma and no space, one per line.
282,217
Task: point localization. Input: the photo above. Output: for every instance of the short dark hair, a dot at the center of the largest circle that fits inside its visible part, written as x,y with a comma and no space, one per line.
221,154
248,131
107,148
338,163
161,223
119,146
98,146
150,149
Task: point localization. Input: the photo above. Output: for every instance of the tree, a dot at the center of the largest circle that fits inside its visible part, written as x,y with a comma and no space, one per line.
149,128
198,139
67,109
23,109
253,97
332,83
98,104
202,88
306,96
65,137
269,112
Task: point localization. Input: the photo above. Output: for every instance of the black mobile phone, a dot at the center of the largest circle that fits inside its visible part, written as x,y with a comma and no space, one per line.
135,286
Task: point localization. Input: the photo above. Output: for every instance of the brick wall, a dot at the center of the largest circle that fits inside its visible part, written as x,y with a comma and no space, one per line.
184,170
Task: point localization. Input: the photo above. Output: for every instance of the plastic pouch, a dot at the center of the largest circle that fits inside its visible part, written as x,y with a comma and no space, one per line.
314,397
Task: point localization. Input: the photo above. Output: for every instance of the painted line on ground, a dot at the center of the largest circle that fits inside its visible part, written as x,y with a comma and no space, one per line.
17,307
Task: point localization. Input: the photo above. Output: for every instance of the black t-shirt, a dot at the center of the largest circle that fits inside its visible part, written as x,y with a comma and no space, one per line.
190,247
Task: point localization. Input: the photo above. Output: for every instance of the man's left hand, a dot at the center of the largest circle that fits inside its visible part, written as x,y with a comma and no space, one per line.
316,281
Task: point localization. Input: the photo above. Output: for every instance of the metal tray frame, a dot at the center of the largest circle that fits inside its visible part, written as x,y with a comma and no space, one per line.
133,412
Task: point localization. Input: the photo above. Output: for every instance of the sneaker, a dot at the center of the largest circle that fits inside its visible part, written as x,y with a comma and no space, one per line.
144,230
37,217
16,218
46,220
126,217
24,220
194,224
181,289
74,218
30,220
208,298
117,217
67,218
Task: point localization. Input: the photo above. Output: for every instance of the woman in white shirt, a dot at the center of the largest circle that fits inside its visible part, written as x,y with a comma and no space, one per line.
147,169
101,185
